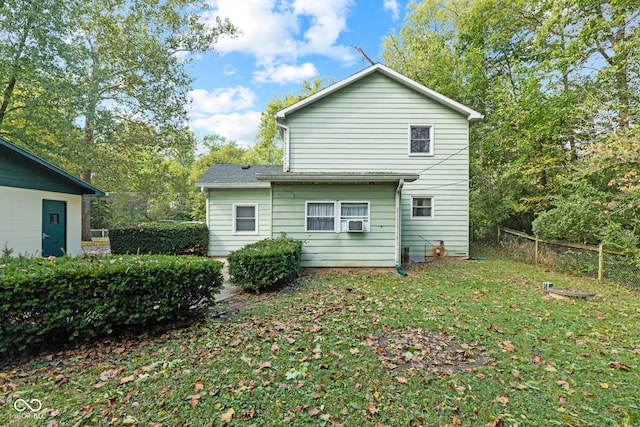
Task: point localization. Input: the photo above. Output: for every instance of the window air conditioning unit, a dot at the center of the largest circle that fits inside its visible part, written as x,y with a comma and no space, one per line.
355,226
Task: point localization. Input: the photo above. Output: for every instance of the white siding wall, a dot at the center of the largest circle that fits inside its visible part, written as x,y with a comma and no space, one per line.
21,220
222,239
364,127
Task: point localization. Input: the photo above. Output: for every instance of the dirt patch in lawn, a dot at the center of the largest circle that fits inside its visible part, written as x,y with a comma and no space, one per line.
438,353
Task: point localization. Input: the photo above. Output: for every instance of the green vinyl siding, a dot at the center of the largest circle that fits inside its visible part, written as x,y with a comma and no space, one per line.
364,127
220,202
321,249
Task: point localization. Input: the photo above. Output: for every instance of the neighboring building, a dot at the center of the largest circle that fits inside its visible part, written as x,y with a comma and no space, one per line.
372,164
40,205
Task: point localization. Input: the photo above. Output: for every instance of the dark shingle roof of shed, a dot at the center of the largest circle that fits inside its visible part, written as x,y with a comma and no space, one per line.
235,174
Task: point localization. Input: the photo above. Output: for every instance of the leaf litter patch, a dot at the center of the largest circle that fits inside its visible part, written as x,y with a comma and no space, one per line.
438,353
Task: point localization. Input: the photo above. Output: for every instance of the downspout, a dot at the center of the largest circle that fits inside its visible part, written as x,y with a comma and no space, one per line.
205,192
398,221
285,149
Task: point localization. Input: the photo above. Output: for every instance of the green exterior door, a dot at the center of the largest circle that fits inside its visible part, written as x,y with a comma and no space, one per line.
54,228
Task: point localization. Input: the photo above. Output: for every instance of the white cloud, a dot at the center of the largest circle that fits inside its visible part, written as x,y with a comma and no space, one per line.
221,100
239,127
285,73
393,7
278,32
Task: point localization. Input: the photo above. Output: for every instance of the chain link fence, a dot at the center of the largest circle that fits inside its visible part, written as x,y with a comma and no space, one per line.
573,258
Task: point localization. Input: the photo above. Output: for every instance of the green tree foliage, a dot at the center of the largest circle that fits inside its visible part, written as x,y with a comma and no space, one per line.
98,81
558,83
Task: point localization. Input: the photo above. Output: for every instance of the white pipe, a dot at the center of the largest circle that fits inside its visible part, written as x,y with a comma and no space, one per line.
398,221
285,148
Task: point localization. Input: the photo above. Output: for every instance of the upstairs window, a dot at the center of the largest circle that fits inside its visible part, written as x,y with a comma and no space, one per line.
422,207
421,140
245,218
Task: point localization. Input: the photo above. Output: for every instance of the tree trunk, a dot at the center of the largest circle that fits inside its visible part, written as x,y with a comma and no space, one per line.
86,210
15,69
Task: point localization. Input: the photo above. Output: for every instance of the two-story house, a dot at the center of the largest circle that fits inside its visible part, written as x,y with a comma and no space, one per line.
372,164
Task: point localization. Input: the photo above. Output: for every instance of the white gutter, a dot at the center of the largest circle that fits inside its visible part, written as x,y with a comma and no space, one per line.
285,148
398,221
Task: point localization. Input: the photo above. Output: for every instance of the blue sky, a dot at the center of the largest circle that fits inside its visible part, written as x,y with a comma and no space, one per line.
282,43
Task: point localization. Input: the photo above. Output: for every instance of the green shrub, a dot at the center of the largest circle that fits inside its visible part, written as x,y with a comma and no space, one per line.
169,238
265,263
45,301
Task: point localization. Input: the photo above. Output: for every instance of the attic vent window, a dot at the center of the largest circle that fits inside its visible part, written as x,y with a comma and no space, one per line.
246,166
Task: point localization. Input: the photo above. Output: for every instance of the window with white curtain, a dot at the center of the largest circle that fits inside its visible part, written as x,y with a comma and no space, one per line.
422,207
244,218
335,216
320,216
354,211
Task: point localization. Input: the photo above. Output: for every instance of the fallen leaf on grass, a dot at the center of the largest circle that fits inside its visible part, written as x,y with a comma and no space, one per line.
127,379
456,421
402,380
563,383
227,416
508,346
314,412
372,408
504,400
149,368
621,366
110,374
198,386
499,422
194,399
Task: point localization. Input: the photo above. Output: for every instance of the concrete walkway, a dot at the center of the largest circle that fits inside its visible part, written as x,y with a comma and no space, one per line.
228,289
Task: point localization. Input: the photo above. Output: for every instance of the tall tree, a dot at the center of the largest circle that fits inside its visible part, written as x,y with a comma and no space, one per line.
131,70
34,54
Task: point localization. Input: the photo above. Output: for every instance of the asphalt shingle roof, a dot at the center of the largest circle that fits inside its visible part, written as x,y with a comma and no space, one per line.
236,174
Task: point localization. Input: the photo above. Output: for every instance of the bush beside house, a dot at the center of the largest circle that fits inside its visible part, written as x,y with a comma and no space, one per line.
169,238
45,301
265,263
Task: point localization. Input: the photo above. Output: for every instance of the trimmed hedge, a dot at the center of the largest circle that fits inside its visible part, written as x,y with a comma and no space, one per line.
52,301
169,238
265,263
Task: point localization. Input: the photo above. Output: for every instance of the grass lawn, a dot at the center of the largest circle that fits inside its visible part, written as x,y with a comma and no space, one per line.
470,343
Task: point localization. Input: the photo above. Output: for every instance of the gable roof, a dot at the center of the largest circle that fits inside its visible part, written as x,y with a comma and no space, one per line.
229,176
471,115
23,169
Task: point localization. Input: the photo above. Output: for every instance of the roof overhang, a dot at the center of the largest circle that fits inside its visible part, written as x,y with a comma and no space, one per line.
336,178
84,187
227,185
471,115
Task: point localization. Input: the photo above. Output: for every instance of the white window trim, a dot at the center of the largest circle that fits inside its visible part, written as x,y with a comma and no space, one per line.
306,209
235,217
337,215
366,222
433,208
431,140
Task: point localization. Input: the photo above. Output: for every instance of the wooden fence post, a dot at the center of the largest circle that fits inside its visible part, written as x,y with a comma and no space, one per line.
600,263
537,248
